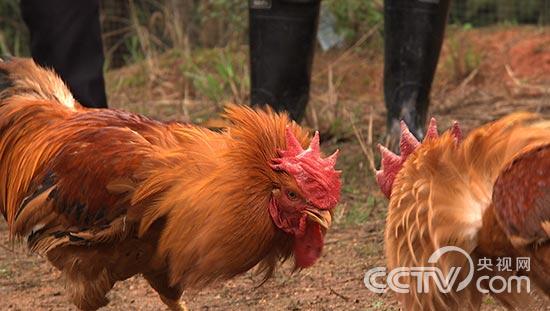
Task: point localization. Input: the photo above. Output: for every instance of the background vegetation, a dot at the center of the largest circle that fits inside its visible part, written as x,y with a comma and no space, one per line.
136,29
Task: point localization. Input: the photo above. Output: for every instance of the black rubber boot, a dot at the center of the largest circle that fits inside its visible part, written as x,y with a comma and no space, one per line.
282,44
413,35
66,36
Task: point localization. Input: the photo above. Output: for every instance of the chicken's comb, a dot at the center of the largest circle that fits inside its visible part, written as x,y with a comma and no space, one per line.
432,132
456,132
391,163
316,177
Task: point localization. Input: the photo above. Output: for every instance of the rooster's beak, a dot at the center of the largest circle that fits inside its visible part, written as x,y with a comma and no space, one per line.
322,217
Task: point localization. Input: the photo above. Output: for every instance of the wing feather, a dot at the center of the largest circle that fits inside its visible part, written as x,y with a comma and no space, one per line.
88,181
521,196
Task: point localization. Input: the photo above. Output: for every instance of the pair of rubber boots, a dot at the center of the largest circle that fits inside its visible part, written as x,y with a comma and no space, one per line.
282,44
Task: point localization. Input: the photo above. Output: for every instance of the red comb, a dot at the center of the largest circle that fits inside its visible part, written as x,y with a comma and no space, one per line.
315,176
407,143
432,133
392,163
456,132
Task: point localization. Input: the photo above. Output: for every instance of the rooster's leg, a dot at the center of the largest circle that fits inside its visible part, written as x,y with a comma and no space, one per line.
168,294
173,304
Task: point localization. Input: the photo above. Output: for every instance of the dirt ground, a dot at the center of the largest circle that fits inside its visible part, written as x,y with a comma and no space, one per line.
488,74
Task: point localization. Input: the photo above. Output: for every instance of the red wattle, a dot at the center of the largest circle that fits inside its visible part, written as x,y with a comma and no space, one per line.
308,247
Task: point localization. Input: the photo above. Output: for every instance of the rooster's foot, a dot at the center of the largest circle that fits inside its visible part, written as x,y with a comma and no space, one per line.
174,305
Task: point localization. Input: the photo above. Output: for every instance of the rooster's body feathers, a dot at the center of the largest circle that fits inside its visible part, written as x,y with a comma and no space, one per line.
106,194
444,196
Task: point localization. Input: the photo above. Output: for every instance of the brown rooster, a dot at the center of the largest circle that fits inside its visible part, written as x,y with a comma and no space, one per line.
105,194
488,194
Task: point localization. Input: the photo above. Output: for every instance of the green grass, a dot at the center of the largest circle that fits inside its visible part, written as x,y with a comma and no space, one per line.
359,212
218,74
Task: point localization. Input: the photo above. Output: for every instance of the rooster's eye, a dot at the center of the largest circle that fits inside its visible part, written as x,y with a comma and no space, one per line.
292,195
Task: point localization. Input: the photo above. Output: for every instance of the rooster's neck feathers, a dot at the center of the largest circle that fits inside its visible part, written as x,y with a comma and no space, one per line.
216,202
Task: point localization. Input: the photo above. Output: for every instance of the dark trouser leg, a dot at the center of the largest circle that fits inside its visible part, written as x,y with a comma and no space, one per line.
413,35
282,44
66,35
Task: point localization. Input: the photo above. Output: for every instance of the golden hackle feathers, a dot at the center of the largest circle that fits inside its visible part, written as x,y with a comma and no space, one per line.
440,197
232,181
